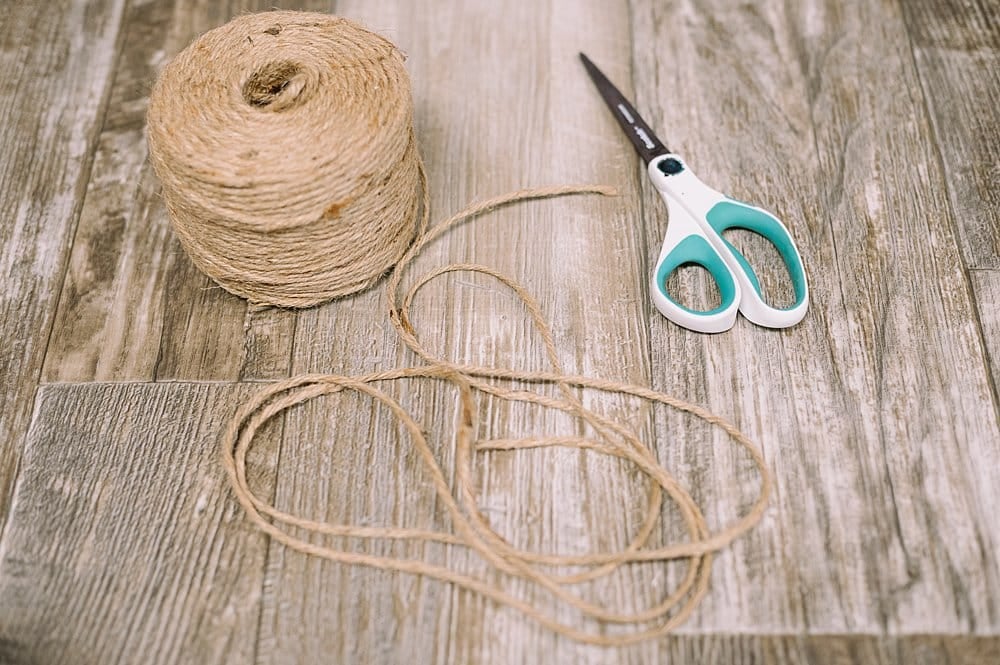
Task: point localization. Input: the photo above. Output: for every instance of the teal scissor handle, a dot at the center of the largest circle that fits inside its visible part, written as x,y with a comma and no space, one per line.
698,217
729,214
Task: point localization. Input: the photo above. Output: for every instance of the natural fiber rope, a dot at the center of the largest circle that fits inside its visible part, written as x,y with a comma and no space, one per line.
256,237
288,130
471,527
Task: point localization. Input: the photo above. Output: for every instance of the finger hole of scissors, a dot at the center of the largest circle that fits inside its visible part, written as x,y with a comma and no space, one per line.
691,285
764,265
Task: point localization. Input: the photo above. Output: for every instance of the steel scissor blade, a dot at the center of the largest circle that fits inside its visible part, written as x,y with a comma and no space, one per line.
645,141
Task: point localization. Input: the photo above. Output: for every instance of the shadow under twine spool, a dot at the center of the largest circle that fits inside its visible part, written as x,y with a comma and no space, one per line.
284,144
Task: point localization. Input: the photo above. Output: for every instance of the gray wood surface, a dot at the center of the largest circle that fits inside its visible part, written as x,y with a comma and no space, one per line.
56,68
874,408
956,47
126,546
986,287
869,127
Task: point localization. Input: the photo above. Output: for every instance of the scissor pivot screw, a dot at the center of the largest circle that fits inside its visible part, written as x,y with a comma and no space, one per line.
670,166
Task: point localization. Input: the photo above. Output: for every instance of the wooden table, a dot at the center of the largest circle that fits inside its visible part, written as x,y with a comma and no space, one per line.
871,127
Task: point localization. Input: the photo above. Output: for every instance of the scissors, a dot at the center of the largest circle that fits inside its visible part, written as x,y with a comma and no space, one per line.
698,216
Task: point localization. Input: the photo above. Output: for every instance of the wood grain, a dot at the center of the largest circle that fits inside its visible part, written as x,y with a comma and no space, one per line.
125,544
569,252
986,287
56,60
857,123
829,650
956,46
877,412
134,307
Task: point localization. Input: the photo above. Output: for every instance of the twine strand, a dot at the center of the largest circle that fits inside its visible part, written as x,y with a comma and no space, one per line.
471,527
284,144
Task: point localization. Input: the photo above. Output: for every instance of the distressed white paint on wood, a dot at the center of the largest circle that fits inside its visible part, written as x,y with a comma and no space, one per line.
956,46
986,289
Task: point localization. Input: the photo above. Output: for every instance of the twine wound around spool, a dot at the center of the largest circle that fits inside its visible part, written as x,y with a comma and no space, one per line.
285,146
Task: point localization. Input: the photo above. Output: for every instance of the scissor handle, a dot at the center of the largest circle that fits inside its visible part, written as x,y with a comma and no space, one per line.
730,214
686,243
695,205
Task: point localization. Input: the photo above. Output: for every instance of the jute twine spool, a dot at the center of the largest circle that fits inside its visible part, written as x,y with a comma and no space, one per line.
253,224
284,143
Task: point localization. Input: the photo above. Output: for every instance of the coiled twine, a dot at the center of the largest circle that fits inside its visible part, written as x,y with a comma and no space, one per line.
284,144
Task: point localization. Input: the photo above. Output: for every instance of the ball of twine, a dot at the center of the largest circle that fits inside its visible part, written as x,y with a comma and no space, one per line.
284,144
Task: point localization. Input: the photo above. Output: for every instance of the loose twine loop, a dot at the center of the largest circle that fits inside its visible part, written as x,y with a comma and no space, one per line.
210,218
471,527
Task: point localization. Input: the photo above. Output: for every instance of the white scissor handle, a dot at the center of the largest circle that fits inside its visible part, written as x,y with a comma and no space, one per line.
698,217
686,243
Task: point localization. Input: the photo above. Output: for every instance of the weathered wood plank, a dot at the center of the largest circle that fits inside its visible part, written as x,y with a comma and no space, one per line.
56,60
956,46
829,650
133,306
502,102
986,289
876,412
957,51
125,544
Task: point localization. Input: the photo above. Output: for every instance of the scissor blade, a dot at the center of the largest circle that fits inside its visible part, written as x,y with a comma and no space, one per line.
645,141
